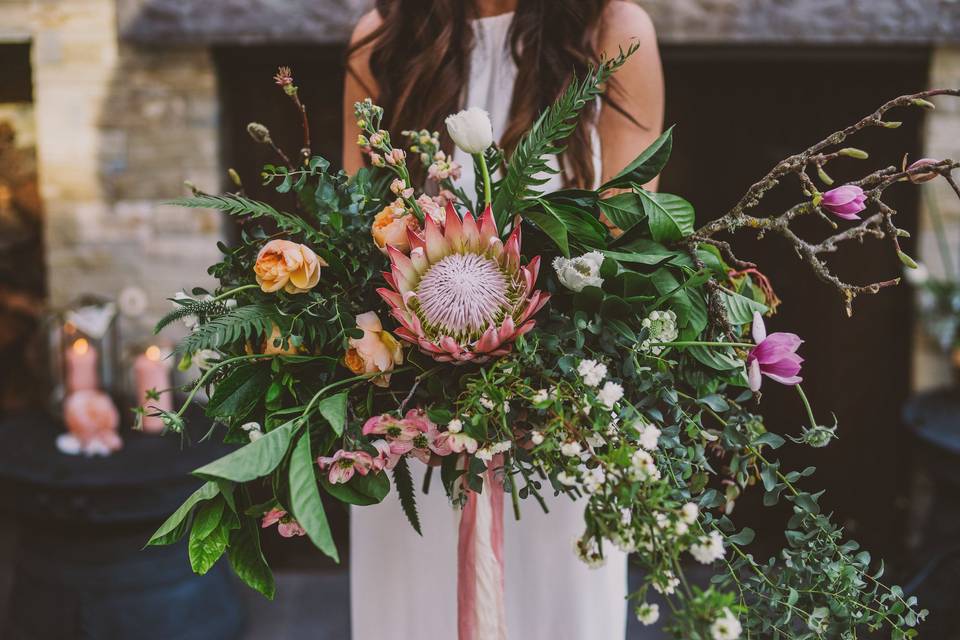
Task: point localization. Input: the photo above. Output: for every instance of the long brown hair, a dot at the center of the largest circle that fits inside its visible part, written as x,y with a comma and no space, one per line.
420,57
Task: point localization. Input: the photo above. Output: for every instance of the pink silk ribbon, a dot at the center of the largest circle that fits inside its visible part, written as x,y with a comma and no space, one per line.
481,609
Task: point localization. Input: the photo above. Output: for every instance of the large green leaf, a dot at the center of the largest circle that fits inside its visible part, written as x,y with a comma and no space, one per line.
175,526
208,537
305,499
254,460
247,559
717,358
646,166
670,217
624,210
740,308
237,394
334,411
404,484
553,226
347,493
584,228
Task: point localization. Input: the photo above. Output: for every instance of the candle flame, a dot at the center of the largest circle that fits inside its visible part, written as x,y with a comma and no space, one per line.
81,346
153,353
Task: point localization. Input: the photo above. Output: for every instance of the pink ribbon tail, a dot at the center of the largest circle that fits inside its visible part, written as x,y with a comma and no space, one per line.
481,608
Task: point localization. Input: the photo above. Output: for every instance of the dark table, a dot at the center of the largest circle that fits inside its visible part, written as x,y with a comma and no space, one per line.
81,570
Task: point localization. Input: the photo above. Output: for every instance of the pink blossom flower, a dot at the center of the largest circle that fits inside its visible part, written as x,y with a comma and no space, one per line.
396,156
457,442
431,208
775,356
845,202
385,459
428,441
923,176
399,188
286,526
344,464
398,433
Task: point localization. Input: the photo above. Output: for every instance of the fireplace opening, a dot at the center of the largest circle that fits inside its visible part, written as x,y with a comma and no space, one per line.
22,269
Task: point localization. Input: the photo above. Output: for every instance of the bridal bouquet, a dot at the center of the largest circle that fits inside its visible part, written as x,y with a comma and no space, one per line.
592,343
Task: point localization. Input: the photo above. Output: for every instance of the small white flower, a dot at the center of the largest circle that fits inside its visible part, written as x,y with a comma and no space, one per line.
589,552
610,394
647,434
594,479
580,272
190,321
726,627
471,130
643,467
484,453
592,372
648,613
502,447
566,479
486,403
536,437
666,584
680,527
571,448
205,358
506,406
253,429
708,549
540,396
626,515
689,512
455,426
595,440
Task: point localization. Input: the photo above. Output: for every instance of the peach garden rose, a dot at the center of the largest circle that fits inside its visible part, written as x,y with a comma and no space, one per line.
390,227
286,265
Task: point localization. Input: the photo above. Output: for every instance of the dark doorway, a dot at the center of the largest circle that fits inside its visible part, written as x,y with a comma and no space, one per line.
740,110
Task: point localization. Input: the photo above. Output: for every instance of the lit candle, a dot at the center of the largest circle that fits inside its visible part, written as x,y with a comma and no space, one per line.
81,370
153,373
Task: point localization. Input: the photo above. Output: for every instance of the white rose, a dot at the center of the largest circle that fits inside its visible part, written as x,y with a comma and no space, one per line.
471,130
580,272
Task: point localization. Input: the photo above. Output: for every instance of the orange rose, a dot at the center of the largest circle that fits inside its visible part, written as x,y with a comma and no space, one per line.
377,350
286,265
390,227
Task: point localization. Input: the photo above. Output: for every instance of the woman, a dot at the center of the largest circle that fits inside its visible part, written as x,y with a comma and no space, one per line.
423,60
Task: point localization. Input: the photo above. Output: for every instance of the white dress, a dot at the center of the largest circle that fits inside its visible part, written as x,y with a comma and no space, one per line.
404,587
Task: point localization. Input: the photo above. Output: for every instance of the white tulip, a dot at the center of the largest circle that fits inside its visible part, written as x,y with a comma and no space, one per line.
471,130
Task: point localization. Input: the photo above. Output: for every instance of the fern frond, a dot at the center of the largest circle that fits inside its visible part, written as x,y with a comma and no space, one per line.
243,323
528,164
404,484
236,205
202,309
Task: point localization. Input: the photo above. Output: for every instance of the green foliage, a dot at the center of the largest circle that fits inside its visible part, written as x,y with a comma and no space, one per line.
175,526
251,323
646,166
305,501
405,490
670,217
254,460
528,168
237,205
247,559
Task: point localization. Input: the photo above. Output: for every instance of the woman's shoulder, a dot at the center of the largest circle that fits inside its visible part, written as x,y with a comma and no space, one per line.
366,25
623,21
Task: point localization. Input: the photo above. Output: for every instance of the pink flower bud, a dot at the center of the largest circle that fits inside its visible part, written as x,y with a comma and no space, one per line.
845,202
923,176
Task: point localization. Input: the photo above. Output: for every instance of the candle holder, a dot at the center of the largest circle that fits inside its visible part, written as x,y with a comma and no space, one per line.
151,383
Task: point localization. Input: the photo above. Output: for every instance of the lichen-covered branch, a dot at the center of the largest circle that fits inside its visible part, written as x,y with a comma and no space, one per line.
879,225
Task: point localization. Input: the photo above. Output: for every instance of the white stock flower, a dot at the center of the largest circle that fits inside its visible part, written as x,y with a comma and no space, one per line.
726,627
610,394
577,273
471,130
648,613
571,448
708,549
592,372
689,513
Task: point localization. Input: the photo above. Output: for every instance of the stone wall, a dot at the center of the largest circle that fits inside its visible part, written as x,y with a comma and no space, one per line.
942,140
120,127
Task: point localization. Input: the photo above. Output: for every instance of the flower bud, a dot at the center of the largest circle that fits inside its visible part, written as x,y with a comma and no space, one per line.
852,152
923,176
259,133
471,130
891,125
826,179
234,177
907,260
920,102
844,202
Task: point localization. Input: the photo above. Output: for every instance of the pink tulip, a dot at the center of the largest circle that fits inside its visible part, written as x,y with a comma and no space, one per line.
343,464
845,202
775,356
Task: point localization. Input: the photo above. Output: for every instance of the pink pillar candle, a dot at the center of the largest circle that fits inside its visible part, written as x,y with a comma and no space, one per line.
153,373
81,366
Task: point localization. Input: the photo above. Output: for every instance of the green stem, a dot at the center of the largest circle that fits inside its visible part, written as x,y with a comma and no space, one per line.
478,158
209,372
696,343
806,404
235,290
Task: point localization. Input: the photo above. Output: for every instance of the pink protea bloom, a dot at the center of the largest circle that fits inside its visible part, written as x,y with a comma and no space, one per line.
343,464
286,526
775,356
398,433
845,202
462,295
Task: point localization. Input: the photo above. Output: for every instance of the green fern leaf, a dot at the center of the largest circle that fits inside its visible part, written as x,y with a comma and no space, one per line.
239,206
528,168
204,310
240,324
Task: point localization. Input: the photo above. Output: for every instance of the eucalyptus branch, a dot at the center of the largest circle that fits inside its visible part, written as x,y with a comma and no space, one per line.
880,225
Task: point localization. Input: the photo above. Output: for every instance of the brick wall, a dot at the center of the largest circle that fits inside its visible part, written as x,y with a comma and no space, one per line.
119,128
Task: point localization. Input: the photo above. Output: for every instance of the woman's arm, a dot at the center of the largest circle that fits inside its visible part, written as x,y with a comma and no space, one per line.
640,88
358,85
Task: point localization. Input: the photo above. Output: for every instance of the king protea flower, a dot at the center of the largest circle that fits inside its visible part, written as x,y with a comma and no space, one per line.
462,295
